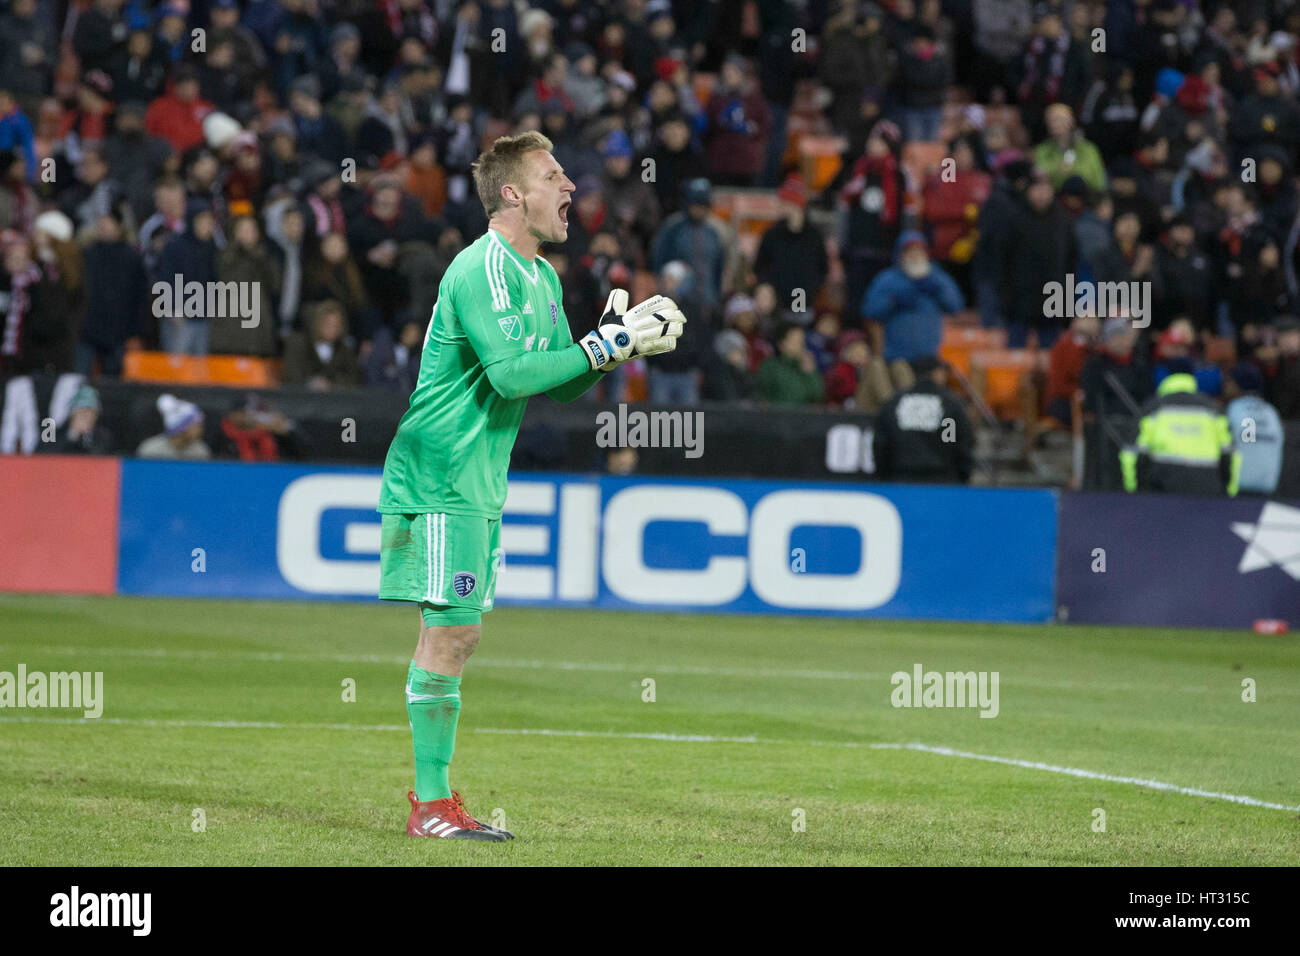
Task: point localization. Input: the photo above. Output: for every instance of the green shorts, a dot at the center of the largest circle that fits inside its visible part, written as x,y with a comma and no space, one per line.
445,563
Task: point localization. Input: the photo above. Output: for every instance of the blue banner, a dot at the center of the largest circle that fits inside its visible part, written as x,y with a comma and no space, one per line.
283,531
1178,562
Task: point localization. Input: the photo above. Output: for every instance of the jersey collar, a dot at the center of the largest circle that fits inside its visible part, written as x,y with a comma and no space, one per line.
514,257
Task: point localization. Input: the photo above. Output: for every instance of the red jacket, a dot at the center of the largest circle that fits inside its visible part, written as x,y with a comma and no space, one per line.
1064,365
739,125
176,121
946,206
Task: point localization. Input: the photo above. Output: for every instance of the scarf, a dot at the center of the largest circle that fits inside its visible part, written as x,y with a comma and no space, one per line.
1056,68
19,302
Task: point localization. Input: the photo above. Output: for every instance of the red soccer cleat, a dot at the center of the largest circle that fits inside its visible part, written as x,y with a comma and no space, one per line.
460,802
446,819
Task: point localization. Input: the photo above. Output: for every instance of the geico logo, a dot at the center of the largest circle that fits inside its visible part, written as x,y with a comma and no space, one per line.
614,542
297,535
767,565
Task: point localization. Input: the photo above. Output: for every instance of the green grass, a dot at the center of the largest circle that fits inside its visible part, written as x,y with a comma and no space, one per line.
813,695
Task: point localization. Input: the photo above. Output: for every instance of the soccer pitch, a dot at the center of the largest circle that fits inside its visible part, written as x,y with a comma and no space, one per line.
768,741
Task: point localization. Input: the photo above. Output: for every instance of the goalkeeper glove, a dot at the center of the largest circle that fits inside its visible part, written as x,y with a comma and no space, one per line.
656,324
612,342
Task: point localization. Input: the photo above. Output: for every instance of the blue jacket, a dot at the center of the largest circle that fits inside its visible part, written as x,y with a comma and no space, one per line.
911,310
1250,417
16,133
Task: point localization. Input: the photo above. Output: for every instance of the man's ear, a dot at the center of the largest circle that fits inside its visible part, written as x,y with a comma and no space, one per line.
511,194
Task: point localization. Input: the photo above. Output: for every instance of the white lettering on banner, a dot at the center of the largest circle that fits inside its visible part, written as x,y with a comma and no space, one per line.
533,581
297,545
874,518
614,542
622,558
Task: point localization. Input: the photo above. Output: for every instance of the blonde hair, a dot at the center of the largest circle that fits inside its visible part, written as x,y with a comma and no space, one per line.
502,164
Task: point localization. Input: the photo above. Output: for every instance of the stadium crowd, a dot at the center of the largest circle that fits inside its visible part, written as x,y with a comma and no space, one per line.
322,149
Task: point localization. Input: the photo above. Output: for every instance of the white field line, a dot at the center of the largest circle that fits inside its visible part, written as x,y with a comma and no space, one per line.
684,738
593,666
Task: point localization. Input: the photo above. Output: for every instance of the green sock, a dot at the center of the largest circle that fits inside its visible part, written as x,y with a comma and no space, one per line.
433,704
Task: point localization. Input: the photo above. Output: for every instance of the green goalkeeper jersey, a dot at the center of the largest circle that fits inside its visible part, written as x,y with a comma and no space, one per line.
498,335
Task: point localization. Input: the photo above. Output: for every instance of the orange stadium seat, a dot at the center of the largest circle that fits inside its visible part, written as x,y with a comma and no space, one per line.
240,371
960,340
997,374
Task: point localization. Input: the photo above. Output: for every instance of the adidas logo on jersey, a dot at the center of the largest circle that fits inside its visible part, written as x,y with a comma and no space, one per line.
528,308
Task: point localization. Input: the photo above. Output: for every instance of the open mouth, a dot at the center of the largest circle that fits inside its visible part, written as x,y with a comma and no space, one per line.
564,212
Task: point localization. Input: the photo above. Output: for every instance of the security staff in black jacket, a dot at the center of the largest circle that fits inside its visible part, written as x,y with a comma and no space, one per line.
922,434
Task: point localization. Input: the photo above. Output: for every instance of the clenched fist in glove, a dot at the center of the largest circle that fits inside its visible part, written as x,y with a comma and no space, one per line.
650,328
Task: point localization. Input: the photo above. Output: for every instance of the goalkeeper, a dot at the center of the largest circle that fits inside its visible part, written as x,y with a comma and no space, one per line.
498,334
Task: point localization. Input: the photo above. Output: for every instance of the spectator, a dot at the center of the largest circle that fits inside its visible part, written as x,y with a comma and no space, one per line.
740,123
1257,429
728,376
394,363
1186,277
189,257
83,433
38,332
254,431
694,236
1041,250
674,378
1052,71
332,274
741,315
870,212
1066,153
317,133
1065,362
99,35
27,54
377,238
790,376
952,205
322,358
1114,371
1266,116
924,72
907,302
136,159
632,204
117,286
182,434
177,116
922,434
1110,112
858,380
425,179
16,134
855,55
792,253
139,71
286,229
1284,382
677,160
247,262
